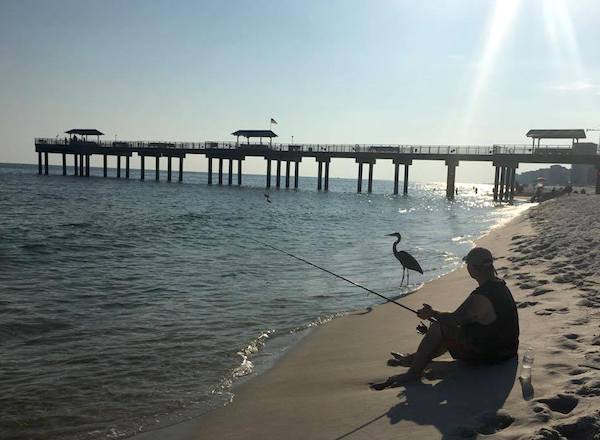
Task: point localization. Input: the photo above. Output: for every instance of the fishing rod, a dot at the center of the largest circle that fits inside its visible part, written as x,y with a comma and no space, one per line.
335,275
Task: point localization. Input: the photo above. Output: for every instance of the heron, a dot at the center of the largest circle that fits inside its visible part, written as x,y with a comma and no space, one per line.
407,261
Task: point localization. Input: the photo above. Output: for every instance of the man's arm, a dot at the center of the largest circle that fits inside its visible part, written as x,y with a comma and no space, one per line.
474,309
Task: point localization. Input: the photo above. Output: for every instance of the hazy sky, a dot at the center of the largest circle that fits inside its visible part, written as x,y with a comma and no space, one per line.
427,72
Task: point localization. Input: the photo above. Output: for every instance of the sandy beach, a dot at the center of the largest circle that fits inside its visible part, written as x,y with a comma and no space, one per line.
320,389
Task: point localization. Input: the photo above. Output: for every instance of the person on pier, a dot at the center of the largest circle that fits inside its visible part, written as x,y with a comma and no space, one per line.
483,330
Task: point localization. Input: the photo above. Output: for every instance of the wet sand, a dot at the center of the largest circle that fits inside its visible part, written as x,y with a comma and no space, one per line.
320,389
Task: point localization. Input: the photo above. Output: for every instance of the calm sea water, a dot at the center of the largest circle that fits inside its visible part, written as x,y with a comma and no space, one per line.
128,305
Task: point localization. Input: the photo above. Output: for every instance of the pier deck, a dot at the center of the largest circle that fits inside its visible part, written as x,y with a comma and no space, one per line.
505,158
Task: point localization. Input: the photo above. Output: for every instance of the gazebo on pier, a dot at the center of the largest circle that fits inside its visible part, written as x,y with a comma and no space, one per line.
254,134
84,133
574,135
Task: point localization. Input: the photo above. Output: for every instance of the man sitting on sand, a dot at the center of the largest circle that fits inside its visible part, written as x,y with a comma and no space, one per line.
483,330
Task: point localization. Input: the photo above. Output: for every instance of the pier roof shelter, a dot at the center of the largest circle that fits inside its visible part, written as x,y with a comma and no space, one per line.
254,134
85,132
574,135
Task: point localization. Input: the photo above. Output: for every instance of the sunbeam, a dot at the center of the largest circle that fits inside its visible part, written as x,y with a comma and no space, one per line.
561,36
501,20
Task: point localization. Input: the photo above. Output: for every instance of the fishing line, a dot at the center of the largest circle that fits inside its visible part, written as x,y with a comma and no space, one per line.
334,274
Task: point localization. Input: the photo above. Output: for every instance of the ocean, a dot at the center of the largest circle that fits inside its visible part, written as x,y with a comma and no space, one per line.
128,305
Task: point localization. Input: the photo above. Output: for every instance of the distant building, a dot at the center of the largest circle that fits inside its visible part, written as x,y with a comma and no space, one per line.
556,175
583,174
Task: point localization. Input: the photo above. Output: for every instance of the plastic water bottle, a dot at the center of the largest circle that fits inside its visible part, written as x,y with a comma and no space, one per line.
527,364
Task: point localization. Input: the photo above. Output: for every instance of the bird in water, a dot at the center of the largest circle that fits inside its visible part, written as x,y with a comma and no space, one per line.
267,197
407,261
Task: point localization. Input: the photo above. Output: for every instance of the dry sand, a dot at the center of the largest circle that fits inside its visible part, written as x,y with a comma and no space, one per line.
319,390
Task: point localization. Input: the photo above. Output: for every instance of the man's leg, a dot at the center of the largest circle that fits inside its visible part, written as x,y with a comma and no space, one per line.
432,345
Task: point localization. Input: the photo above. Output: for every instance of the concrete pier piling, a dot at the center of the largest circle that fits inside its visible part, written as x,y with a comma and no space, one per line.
169,160
46,164
239,172
502,183
451,178
360,177
104,165
327,176
405,186
370,183
64,164
287,174
39,162
230,177
268,172
210,159
278,174
75,166
157,169
220,171
296,170
319,174
127,167
181,168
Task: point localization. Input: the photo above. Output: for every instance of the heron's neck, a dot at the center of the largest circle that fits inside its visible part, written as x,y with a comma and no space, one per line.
397,242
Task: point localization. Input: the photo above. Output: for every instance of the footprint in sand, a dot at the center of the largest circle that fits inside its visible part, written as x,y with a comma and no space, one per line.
584,428
525,304
540,291
552,311
486,424
591,389
562,403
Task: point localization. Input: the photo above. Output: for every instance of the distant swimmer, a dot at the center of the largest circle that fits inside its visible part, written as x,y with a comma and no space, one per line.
483,330
407,261
267,197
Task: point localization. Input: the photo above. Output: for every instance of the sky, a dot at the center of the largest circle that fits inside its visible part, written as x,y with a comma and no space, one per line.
463,72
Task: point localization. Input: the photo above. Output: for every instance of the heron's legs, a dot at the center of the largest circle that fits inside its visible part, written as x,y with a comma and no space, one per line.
403,271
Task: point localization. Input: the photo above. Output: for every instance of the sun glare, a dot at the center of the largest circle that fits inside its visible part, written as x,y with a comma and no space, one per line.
499,25
561,37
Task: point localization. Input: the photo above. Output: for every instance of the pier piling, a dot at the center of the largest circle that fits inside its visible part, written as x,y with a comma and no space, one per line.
496,181
169,160
319,174
396,176
296,169
327,176
75,166
220,171
451,178
287,174
64,163
239,172
502,183
360,177
278,174
370,183
87,165
405,188
268,172
157,169
181,168
46,164
210,159
39,162
127,167
230,180
104,165
81,166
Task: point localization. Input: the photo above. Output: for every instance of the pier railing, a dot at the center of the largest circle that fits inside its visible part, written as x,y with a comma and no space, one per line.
475,150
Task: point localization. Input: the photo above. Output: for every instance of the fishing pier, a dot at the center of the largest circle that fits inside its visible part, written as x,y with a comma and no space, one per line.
505,158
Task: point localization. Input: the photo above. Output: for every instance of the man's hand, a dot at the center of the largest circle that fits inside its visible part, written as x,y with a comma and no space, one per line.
426,312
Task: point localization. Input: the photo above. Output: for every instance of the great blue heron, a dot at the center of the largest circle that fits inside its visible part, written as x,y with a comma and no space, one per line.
406,260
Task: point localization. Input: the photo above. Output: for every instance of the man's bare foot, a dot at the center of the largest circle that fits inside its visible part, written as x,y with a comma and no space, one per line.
401,359
396,381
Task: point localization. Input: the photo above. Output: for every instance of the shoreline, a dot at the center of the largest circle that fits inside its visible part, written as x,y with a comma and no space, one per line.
214,424
319,389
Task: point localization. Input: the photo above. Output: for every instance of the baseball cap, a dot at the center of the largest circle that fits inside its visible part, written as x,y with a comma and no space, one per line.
479,257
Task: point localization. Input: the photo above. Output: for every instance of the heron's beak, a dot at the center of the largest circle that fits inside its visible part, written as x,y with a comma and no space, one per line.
391,235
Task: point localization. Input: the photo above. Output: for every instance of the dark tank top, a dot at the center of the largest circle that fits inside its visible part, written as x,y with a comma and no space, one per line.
499,340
